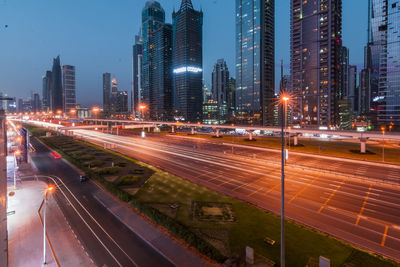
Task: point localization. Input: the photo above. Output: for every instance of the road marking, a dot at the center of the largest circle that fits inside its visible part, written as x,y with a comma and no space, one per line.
272,188
384,236
363,205
304,188
255,191
215,178
204,174
246,184
332,194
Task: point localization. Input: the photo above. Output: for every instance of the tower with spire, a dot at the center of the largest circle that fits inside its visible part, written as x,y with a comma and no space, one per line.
187,61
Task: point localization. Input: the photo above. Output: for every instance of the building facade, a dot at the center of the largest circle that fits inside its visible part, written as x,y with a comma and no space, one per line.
255,61
344,73
353,93
56,89
136,75
153,18
161,95
46,85
69,87
221,89
315,51
106,93
385,55
188,61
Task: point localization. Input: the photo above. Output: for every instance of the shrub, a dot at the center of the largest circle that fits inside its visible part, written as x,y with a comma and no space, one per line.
128,180
122,164
109,170
96,163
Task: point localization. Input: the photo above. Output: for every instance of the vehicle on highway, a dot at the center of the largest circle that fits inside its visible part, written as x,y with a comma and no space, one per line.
83,178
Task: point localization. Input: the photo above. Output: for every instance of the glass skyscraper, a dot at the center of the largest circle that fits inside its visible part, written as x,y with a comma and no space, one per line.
221,89
69,87
188,61
385,54
56,89
255,56
315,51
106,93
136,74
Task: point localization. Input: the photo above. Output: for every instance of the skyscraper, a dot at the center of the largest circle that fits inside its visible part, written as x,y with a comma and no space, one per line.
153,18
344,73
136,74
36,105
46,91
352,93
316,42
161,96
106,93
69,87
56,89
255,56
188,61
385,57
220,89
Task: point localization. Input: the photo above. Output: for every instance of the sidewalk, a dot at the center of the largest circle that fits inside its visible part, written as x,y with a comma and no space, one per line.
173,251
25,230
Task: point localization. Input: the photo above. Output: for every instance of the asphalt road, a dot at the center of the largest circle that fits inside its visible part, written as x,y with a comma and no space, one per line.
365,213
104,237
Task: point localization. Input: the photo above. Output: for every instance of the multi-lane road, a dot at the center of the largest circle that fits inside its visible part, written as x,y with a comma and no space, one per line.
108,241
363,212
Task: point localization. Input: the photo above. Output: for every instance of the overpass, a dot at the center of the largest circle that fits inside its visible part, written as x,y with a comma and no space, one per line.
110,124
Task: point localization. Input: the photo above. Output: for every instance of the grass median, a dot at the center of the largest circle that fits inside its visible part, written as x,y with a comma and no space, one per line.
218,226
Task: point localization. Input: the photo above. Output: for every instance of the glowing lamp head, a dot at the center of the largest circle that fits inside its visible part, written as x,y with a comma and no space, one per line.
142,107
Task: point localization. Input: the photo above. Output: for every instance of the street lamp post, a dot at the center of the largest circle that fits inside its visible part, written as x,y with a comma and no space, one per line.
49,189
383,129
141,108
284,101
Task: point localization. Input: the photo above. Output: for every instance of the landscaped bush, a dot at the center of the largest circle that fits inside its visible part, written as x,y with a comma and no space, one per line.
96,163
122,164
128,180
109,170
86,157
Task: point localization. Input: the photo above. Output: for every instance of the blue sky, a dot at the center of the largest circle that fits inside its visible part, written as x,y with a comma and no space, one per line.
97,36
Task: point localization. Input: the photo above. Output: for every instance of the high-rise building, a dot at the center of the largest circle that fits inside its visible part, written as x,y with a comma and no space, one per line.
36,105
120,99
316,41
136,74
106,93
232,98
46,91
344,73
69,87
384,43
56,89
153,18
220,89
255,61
20,106
352,93
188,61
161,95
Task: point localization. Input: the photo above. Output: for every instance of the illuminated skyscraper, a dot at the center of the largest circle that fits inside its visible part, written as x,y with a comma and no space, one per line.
316,42
220,89
385,56
106,93
46,91
255,56
136,74
69,87
188,61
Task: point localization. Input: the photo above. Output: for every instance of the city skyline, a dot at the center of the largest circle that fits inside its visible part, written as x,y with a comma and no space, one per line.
114,55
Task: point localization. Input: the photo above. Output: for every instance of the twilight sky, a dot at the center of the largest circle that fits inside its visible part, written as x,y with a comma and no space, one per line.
97,36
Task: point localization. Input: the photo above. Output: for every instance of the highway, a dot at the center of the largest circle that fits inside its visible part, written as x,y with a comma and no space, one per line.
104,237
363,212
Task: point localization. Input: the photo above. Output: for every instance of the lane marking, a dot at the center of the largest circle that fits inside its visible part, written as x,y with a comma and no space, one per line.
215,178
332,194
273,188
255,191
363,205
304,188
259,179
384,236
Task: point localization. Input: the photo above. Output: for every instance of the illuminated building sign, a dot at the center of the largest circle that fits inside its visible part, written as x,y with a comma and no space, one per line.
187,69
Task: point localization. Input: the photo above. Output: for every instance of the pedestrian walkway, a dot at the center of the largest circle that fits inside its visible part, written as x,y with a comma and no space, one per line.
25,230
173,251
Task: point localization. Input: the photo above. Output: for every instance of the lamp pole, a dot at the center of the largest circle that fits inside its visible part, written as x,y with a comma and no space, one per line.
283,184
50,188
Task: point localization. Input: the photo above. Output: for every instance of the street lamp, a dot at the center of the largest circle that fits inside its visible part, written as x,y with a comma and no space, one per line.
48,189
95,111
383,129
142,108
73,112
284,101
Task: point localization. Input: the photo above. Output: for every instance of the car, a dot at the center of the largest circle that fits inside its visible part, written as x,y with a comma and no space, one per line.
83,178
